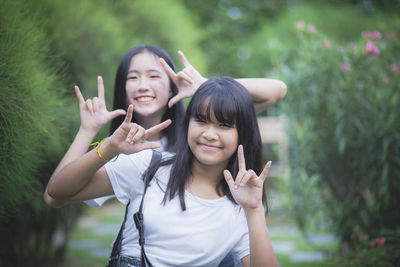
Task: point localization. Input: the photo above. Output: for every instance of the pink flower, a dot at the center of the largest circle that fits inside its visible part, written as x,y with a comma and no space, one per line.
327,44
366,236
375,35
372,243
395,69
386,79
345,66
380,241
358,255
311,29
300,25
370,48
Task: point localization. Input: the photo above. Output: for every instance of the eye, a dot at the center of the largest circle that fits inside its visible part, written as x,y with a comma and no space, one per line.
155,76
199,120
131,78
226,125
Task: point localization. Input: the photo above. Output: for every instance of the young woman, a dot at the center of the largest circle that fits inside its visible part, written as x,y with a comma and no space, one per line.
204,202
147,79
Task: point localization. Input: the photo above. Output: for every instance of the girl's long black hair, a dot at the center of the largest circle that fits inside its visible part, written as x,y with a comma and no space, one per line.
175,113
231,104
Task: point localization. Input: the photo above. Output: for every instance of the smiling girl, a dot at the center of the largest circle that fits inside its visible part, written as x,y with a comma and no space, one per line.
204,201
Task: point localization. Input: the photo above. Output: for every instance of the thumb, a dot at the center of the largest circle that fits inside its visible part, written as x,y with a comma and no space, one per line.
117,113
148,145
175,100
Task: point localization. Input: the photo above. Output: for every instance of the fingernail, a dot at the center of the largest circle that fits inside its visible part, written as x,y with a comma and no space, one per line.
236,186
128,140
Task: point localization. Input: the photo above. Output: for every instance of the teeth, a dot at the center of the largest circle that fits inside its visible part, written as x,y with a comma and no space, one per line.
144,99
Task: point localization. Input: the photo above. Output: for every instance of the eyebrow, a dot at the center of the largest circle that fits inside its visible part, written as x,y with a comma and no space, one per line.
149,70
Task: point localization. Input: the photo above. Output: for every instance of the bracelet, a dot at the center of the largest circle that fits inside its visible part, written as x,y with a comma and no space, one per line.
97,149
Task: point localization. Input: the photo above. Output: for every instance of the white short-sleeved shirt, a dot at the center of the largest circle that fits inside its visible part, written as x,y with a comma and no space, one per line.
98,202
200,236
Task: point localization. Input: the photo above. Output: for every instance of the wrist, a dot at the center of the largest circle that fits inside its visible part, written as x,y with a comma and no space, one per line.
255,210
87,133
107,150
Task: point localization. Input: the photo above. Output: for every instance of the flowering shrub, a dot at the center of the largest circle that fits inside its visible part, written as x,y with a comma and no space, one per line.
343,106
379,251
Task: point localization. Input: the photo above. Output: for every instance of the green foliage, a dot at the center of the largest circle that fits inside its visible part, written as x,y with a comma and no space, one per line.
45,48
382,250
344,139
32,138
228,27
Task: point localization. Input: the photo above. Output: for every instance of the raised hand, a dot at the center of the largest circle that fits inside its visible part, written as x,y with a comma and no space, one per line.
188,80
93,112
130,137
247,188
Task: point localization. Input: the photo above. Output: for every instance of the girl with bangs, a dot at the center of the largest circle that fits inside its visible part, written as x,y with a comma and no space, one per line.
204,202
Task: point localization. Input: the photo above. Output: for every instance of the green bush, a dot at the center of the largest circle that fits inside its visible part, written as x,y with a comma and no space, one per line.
343,108
32,139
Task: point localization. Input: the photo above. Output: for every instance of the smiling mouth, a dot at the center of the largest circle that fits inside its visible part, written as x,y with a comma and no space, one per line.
209,147
144,99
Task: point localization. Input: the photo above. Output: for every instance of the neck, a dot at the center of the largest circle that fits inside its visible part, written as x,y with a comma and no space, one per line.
204,180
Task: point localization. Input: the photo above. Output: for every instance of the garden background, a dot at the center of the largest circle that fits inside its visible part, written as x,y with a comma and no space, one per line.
339,59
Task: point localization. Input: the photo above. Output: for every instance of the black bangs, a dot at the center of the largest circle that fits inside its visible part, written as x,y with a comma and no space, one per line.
216,102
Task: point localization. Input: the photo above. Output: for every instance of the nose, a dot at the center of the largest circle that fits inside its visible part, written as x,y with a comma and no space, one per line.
144,84
210,133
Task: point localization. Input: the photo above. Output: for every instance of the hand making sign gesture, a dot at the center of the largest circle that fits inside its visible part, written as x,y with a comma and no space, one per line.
130,137
93,112
188,80
247,188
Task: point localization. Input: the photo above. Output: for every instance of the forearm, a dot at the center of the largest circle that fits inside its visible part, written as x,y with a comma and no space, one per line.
264,92
261,252
79,147
75,176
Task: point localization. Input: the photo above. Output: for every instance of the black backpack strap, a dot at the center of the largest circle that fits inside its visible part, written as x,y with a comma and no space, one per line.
117,244
138,216
116,250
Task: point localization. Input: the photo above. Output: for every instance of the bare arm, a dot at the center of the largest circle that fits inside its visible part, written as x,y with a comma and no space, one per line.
247,190
94,116
85,177
264,92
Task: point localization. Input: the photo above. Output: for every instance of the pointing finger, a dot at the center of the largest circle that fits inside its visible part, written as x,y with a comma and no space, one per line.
241,160
129,114
183,59
78,93
170,72
100,87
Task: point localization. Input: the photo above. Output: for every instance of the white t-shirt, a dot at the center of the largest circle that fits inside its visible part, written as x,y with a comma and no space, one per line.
200,236
98,202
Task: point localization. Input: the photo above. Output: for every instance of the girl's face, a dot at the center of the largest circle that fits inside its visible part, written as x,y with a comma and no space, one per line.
147,87
212,142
